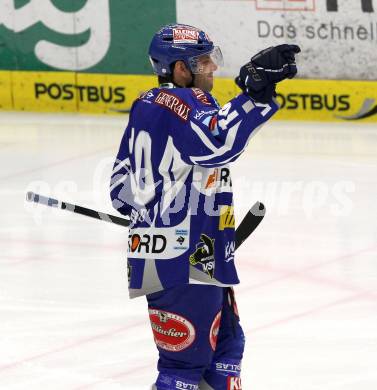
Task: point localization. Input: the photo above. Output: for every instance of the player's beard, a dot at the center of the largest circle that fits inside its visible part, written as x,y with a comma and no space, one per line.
203,81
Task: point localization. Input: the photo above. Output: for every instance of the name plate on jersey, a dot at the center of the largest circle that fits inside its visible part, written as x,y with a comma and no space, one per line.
159,243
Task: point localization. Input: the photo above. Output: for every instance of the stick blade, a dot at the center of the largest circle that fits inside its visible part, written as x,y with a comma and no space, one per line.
250,222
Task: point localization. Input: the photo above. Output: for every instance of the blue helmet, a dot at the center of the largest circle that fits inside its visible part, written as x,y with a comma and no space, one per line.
182,42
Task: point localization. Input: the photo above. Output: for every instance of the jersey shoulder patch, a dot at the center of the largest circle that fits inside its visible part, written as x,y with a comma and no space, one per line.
174,103
203,97
147,97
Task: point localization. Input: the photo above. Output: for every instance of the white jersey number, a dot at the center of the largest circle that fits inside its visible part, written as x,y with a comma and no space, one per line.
172,168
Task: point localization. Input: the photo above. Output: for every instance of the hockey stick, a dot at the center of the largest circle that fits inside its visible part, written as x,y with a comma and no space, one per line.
249,223
37,198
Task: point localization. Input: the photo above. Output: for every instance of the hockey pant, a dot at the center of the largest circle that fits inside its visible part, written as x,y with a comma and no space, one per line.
200,341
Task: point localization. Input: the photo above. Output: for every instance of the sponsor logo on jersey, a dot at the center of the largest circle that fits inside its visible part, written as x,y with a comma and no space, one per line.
220,177
163,316
185,35
161,243
204,255
180,240
228,367
171,331
230,247
234,383
183,385
201,96
139,215
212,179
226,217
182,235
146,96
213,123
214,332
200,113
147,243
174,104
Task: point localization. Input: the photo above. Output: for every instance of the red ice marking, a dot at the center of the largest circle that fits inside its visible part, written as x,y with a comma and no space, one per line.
303,274
118,375
54,164
307,277
66,347
304,314
16,260
113,247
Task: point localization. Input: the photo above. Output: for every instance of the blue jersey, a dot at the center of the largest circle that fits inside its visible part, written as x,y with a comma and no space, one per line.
172,177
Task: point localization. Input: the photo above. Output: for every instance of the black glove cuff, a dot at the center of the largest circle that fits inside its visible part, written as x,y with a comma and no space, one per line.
264,95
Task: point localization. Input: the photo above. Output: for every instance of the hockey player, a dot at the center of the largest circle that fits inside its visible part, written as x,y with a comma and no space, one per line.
172,177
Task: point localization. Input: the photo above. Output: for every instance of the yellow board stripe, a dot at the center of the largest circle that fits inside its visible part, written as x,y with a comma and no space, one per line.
6,101
313,100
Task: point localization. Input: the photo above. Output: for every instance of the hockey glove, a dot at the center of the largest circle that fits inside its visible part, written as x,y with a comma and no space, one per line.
258,77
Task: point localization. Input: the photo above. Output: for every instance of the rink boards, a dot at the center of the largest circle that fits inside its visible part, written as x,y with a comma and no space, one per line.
319,100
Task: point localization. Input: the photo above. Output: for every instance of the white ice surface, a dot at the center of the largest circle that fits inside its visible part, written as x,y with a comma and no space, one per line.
308,292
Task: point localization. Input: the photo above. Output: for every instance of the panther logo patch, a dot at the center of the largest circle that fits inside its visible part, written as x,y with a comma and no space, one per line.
204,255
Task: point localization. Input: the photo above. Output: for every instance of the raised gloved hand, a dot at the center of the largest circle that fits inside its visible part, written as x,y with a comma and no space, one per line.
258,77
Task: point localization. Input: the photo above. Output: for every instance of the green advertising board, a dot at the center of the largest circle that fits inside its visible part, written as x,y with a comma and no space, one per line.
92,36
91,56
